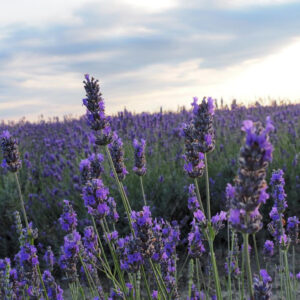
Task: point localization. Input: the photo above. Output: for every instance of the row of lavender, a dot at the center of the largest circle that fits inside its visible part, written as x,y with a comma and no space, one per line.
51,153
143,263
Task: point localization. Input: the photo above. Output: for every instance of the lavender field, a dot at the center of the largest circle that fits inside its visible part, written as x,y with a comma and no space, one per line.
202,203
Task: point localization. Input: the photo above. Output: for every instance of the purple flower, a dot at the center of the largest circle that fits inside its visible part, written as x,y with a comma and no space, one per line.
262,289
130,256
292,229
193,203
250,185
91,167
268,248
230,191
68,219
90,241
218,220
256,135
95,196
70,255
11,156
54,292
139,157
155,294
117,155
199,216
278,194
96,111
195,241
194,159
203,124
265,276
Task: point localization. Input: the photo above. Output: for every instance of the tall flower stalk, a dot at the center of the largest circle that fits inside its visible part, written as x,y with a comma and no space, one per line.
200,140
250,185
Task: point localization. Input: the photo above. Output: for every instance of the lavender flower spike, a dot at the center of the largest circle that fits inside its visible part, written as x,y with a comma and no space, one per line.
11,156
96,111
117,155
203,123
250,184
96,197
194,159
68,219
139,157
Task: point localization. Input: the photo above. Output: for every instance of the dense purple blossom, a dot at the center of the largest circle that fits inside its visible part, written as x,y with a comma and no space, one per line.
90,241
68,219
203,124
91,167
54,292
195,241
131,258
11,156
193,203
27,262
278,194
292,229
276,214
96,112
194,160
250,184
95,196
142,225
70,255
117,155
139,157
262,289
218,220
268,248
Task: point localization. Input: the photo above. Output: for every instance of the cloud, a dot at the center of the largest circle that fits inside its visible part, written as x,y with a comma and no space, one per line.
141,52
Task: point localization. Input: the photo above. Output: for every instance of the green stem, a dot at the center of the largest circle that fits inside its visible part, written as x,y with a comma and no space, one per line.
287,275
146,283
243,274
256,254
143,192
248,266
88,277
42,281
116,262
105,262
294,274
121,191
198,195
159,280
190,282
207,189
280,272
230,260
197,274
22,201
215,269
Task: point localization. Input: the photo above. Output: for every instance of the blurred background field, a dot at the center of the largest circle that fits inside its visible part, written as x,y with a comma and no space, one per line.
52,150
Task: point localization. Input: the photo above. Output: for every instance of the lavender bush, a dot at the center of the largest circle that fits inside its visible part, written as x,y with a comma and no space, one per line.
157,239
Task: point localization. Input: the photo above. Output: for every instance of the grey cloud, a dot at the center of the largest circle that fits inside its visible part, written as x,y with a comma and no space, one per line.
174,36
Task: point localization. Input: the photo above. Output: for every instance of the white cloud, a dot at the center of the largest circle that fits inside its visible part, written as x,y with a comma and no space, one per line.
38,12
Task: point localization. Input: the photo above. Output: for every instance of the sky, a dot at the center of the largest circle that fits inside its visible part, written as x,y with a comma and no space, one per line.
146,54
